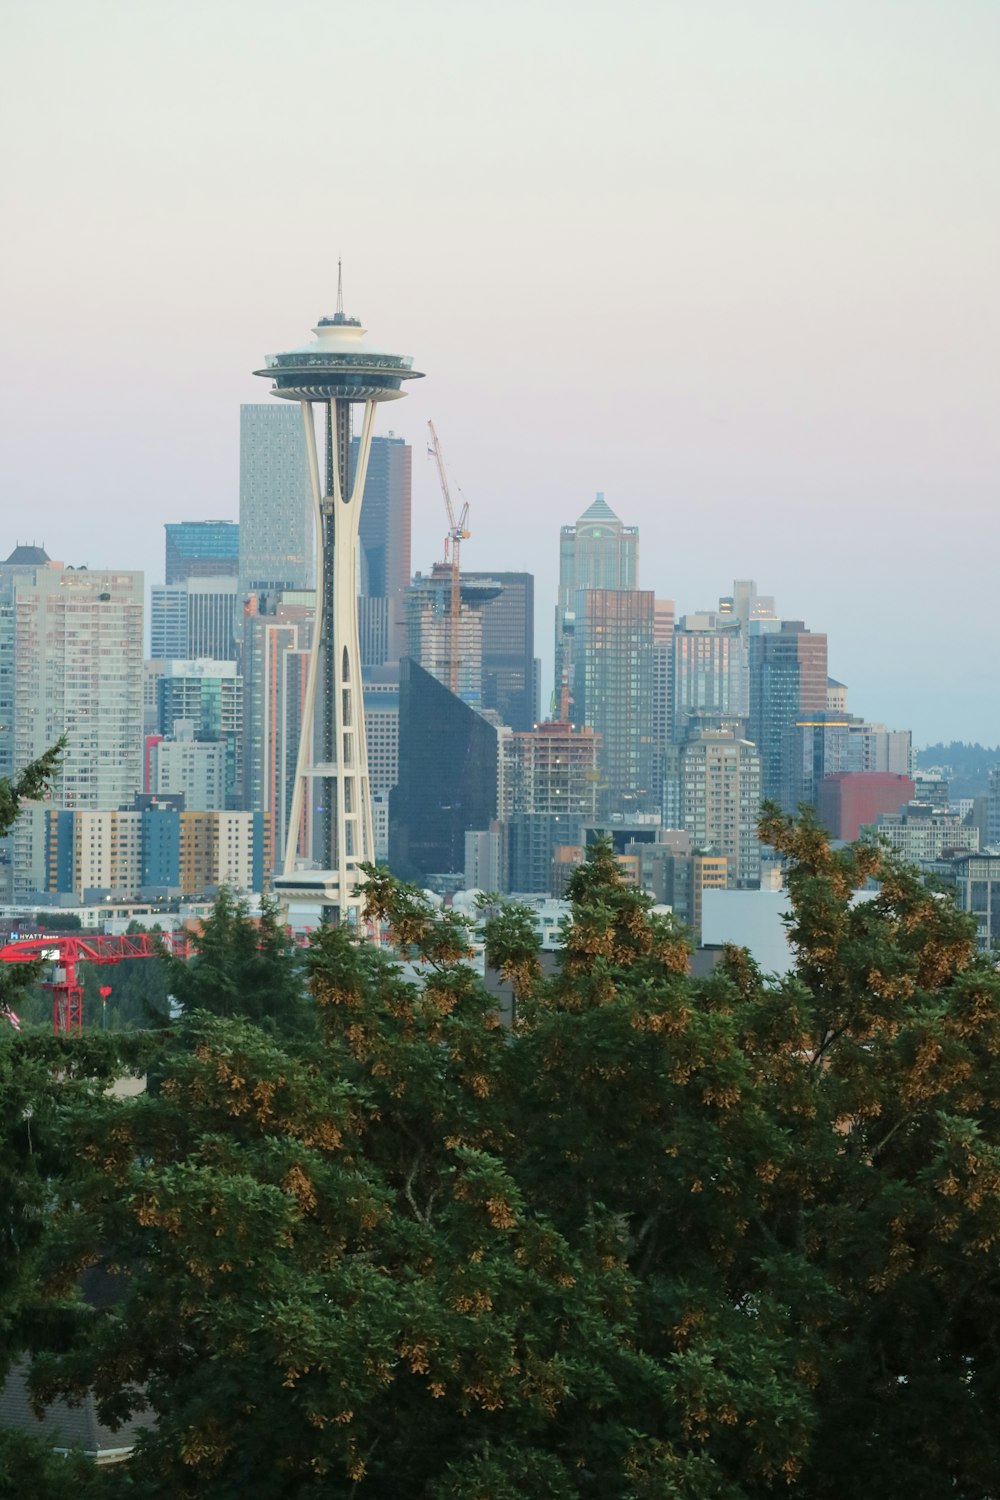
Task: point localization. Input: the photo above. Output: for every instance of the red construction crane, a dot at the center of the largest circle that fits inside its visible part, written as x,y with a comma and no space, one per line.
67,949
458,533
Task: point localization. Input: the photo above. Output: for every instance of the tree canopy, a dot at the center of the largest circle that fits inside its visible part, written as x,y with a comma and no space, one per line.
716,1239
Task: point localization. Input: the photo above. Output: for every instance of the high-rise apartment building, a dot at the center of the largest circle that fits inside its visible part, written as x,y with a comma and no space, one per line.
277,634
276,544
553,780
717,776
208,695
508,647
21,563
788,677
599,552
431,637
664,621
993,809
381,693
184,766
78,667
613,690
201,549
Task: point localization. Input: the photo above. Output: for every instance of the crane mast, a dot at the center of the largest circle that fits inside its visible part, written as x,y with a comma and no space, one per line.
67,950
456,534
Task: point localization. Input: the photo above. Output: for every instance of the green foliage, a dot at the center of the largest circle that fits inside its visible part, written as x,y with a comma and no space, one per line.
969,765
29,1468
243,966
724,1239
17,980
31,784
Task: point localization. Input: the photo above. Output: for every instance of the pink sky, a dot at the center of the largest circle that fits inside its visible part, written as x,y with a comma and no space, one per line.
734,264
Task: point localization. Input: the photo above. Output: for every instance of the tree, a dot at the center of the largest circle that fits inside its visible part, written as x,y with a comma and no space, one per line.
42,1077
244,966
34,780
711,1240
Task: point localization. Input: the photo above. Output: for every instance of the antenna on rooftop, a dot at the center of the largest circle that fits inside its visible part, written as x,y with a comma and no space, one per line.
340,286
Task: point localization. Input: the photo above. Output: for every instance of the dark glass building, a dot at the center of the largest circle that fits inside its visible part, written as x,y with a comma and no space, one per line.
448,777
385,543
788,674
509,648
201,549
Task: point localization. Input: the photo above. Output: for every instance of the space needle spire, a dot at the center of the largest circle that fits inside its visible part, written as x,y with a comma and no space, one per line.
330,824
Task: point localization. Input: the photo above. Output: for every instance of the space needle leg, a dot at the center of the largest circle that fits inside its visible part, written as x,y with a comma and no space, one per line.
305,753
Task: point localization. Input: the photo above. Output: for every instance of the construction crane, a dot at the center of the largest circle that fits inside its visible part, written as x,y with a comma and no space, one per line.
458,533
67,949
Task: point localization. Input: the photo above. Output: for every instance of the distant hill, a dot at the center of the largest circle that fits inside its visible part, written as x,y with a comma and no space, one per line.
970,765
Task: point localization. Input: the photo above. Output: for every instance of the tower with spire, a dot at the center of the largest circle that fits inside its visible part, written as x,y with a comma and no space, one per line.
598,552
330,822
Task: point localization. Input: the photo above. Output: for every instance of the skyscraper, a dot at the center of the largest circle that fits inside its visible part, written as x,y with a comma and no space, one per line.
788,676
200,549
711,678
613,690
715,778
78,673
336,371
508,647
450,776
385,534
277,635
599,552
430,638
553,790
663,687
276,522
818,745
194,619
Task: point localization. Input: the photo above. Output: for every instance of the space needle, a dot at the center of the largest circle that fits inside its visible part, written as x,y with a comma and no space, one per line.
331,801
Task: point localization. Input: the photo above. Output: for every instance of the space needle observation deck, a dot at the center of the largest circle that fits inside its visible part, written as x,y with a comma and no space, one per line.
330,823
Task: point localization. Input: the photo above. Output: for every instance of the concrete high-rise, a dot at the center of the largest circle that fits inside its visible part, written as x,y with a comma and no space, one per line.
277,636
715,779
78,672
336,372
663,686
276,545
553,790
431,638
599,552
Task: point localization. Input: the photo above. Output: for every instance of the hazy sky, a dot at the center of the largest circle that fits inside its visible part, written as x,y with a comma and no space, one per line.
733,262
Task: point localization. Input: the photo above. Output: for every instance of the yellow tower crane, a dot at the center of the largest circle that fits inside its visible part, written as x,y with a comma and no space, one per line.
458,533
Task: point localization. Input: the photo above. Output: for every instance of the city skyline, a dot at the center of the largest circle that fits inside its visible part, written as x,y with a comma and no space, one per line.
782,227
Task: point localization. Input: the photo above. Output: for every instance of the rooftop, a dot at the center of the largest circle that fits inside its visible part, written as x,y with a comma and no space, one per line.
25,554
